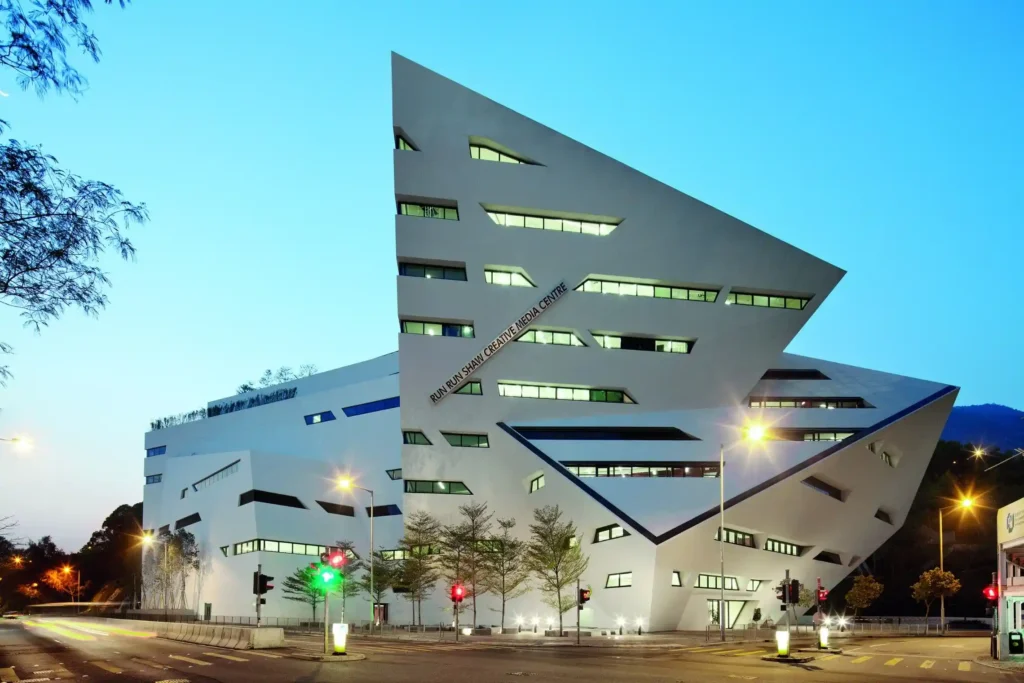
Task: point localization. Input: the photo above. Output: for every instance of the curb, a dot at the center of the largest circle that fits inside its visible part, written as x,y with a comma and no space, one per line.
787,660
334,659
997,667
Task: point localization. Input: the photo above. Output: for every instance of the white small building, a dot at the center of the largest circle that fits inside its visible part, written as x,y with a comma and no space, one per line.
572,333
1010,580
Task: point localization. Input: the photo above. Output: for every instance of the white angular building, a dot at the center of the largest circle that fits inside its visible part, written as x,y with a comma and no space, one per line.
573,333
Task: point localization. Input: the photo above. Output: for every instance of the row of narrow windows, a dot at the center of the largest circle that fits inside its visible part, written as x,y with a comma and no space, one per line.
154,478
444,487
623,288
516,220
549,337
765,300
609,341
477,150
507,278
287,547
666,469
804,434
459,440
560,393
752,584
222,473
788,402
448,213
432,272
435,329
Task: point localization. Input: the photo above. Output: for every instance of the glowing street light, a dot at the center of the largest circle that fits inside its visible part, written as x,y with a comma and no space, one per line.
755,432
978,453
965,503
17,559
346,484
22,444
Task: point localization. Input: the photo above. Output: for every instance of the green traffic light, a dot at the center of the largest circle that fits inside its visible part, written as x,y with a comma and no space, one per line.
327,576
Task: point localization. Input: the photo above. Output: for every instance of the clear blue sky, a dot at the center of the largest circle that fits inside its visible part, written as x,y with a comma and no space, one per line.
883,137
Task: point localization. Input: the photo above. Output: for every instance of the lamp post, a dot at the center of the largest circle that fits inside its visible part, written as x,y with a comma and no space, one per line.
78,590
20,443
964,504
346,484
148,541
750,433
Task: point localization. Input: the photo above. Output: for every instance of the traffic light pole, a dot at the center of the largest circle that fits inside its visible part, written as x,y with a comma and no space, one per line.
579,608
259,596
327,621
455,606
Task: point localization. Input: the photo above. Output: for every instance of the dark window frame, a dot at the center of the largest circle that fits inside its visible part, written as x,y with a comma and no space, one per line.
408,434
337,508
605,434
270,498
824,488
419,486
453,273
372,406
189,520
793,374
325,416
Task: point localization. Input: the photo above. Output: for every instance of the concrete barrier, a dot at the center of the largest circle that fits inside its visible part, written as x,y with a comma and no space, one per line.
264,638
231,637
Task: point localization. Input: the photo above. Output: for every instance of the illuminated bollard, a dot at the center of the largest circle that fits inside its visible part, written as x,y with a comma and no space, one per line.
782,643
823,637
340,634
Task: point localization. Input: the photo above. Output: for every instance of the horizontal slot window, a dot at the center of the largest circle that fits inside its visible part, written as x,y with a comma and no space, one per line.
414,438
518,220
611,341
619,580
440,487
715,581
154,478
825,488
642,469
473,388
448,213
516,390
485,153
507,278
791,402
317,418
222,473
623,288
783,548
437,329
827,556
550,337
371,407
884,516
609,533
793,373
156,450
459,440
431,272
800,434
337,508
766,300
395,474
383,511
736,537
286,547
257,496
605,434
194,518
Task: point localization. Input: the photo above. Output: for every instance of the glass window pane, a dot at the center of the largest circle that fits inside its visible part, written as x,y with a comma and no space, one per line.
564,394
451,214
488,154
514,221
662,293
587,471
508,160
519,281
645,290
599,395
271,546
531,392
626,579
499,278
602,535
793,303
535,222
581,394
562,338
776,302
590,228
696,295
434,272
760,300
606,228
548,392
615,397
609,287
592,286
543,337
413,327
678,293
627,289
498,218
570,225
745,299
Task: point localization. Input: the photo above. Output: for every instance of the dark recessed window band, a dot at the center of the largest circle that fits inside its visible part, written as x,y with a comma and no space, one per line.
605,434
257,496
186,521
383,511
337,509
786,373
371,407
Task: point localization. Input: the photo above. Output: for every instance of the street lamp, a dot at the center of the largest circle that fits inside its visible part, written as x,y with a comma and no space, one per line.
66,569
20,443
753,432
346,484
148,541
964,503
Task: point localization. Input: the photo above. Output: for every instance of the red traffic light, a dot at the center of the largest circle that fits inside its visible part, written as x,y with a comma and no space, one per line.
336,559
822,594
991,592
458,592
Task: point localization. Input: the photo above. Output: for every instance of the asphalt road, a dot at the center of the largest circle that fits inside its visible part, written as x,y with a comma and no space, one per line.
40,650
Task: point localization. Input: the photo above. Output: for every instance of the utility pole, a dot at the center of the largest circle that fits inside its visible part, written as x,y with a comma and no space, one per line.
789,622
327,600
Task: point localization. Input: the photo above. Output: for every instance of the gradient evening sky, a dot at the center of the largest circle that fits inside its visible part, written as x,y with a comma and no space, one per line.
883,137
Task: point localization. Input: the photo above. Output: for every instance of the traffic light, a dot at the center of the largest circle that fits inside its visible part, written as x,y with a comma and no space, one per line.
822,594
794,592
263,584
336,558
781,593
458,593
991,592
584,597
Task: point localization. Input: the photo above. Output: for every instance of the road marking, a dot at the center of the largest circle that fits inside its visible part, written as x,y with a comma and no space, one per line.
748,653
148,663
714,649
894,661
964,666
927,664
107,667
228,657
726,652
183,658
859,660
828,657
262,654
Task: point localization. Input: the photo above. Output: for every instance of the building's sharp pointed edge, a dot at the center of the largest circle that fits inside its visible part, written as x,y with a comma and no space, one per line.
675,531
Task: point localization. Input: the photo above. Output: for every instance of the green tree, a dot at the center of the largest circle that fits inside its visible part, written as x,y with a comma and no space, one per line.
386,574
865,591
54,225
554,556
419,571
349,572
304,585
506,573
477,525
455,547
932,585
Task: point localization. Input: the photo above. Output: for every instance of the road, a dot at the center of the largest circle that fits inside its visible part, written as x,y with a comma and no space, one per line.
43,650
